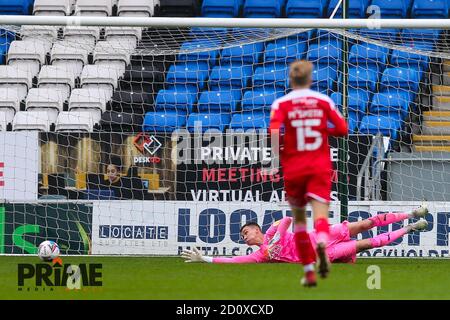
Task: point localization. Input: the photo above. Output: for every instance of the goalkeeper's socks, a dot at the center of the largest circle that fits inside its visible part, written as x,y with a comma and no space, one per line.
385,219
322,230
388,237
303,245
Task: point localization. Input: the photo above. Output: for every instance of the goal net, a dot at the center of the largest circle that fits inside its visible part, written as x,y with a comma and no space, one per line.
132,140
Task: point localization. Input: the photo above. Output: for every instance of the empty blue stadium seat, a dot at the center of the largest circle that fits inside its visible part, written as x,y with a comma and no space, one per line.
353,121
325,36
392,9
263,8
407,59
164,121
356,9
218,101
203,54
353,117
374,124
16,7
367,49
200,65
208,33
337,98
368,55
226,77
305,9
405,78
244,54
426,46
186,76
175,99
363,78
221,8
6,37
401,93
358,100
325,53
249,120
285,51
390,105
271,77
304,36
379,34
324,79
259,100
208,121
429,9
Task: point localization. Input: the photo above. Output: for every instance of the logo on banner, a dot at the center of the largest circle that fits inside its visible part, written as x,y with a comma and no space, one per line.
2,168
147,144
134,232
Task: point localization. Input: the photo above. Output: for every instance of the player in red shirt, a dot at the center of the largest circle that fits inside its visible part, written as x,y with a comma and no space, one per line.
304,114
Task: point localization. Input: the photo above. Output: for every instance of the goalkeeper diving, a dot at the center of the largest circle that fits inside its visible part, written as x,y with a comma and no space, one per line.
278,245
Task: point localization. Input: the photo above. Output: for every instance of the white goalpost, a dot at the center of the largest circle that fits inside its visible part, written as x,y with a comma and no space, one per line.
150,22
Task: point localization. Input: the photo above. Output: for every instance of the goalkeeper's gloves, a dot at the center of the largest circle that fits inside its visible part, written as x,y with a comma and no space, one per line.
195,256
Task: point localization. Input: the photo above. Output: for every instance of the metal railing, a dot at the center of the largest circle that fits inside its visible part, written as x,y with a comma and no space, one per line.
377,178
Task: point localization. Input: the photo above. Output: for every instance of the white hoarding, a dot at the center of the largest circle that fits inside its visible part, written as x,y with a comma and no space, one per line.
167,227
434,242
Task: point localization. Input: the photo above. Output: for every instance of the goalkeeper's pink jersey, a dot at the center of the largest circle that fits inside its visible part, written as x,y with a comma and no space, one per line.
278,246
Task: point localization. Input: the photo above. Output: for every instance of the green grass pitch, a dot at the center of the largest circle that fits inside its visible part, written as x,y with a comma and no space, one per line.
172,278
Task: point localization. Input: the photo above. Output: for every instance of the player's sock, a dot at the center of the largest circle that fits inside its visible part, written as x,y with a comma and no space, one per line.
308,267
385,219
322,229
304,247
388,237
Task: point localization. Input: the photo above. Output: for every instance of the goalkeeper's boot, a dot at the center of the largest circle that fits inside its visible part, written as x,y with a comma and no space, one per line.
309,279
420,212
323,263
420,225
